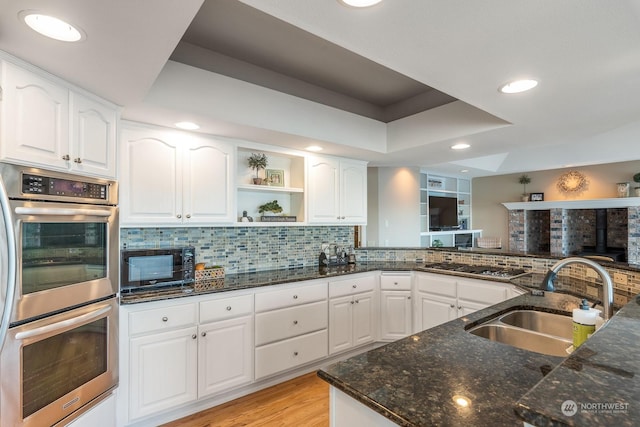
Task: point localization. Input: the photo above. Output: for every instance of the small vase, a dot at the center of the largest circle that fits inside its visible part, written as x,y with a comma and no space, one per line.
257,181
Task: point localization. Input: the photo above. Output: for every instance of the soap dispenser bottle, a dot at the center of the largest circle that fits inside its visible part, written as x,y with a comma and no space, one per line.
584,323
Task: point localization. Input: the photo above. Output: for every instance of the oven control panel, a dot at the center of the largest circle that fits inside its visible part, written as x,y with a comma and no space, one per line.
44,185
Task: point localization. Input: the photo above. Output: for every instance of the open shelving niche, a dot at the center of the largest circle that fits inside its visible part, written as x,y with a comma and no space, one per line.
456,188
290,196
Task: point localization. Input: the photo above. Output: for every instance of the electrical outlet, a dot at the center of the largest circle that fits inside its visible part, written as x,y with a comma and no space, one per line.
592,273
620,279
619,300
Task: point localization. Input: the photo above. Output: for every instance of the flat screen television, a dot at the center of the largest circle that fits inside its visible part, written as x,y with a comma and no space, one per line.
443,213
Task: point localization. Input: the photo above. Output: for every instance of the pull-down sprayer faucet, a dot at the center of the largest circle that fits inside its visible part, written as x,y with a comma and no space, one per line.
607,285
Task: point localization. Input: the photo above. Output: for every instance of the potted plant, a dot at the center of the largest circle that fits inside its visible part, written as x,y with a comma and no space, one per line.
257,162
524,180
636,179
273,207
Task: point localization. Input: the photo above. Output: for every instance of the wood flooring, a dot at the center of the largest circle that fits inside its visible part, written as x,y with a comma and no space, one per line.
302,401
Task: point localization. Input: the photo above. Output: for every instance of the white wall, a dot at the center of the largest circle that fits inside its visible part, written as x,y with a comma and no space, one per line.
397,202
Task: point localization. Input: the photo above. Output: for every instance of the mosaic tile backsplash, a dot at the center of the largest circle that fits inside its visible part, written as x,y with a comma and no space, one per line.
243,249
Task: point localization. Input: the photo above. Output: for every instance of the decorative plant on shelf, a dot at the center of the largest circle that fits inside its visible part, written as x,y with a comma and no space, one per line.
270,207
524,180
257,162
636,179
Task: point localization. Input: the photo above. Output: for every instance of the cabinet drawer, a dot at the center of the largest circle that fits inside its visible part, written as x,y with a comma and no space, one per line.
288,297
283,355
290,322
351,286
393,282
225,308
436,284
162,319
477,291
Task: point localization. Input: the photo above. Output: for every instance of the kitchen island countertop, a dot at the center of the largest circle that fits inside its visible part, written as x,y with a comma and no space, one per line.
412,381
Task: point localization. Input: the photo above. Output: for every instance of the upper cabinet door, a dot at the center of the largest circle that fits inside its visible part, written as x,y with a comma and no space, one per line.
35,119
93,143
353,192
323,190
208,189
150,178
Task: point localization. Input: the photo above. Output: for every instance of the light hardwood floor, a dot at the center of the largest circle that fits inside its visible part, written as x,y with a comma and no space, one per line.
302,401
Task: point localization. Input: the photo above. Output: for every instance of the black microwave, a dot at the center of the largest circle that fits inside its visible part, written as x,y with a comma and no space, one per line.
143,268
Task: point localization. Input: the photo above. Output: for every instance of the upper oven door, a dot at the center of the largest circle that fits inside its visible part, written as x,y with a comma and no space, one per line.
67,255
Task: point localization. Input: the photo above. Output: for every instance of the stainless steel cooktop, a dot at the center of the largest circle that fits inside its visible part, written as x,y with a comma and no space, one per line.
504,273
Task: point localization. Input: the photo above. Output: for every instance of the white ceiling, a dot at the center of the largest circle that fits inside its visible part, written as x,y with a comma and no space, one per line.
585,53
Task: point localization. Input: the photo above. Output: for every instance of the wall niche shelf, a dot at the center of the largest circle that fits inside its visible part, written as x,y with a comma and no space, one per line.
620,202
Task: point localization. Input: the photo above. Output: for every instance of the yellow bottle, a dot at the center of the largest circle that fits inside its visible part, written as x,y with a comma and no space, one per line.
584,323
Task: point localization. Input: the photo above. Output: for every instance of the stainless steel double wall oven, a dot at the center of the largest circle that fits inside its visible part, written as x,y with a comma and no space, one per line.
59,279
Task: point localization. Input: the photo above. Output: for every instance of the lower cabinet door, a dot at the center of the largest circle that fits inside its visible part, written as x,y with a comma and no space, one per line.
434,310
340,324
163,370
363,319
395,316
287,354
225,355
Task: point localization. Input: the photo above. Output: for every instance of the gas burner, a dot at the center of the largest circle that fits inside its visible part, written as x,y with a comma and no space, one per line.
477,270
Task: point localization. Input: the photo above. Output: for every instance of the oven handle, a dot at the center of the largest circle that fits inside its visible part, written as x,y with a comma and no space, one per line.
84,318
11,264
62,211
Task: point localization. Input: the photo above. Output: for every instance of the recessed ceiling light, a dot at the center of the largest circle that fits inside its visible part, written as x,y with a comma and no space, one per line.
314,148
518,86
360,3
51,26
460,146
187,125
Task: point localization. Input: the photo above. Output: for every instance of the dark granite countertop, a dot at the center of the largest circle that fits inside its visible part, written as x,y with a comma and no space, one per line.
234,282
412,381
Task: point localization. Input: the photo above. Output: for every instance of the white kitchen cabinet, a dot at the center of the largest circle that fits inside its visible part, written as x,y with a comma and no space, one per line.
352,313
175,178
290,327
440,298
395,305
45,123
337,191
225,355
163,371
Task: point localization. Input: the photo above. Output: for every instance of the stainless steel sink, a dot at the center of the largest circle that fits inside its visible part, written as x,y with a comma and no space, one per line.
537,331
539,321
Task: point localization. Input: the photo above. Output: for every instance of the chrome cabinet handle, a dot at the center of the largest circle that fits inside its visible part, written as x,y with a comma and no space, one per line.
295,297
452,306
351,302
178,216
357,301
295,322
194,336
77,160
66,157
228,308
165,318
459,307
295,353
188,215
204,334
354,286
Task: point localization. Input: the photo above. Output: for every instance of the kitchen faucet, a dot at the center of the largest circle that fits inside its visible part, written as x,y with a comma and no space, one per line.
607,285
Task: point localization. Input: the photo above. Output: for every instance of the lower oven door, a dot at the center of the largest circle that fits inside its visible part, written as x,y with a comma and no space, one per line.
54,366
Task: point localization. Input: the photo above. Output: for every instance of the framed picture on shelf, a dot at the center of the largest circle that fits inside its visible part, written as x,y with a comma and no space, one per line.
275,177
537,197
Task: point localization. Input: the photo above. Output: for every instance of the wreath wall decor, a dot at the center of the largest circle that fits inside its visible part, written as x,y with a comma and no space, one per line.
572,182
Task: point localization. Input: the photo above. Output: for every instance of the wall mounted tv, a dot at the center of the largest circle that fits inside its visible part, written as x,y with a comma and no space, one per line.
443,213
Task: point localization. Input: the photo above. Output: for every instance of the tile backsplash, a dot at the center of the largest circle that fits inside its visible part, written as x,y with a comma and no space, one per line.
243,249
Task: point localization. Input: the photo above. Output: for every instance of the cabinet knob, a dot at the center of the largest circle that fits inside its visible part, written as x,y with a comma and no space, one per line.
351,302
194,336
337,217
295,353
408,297
343,217
354,286
66,157
357,301
395,283
204,334
295,322
178,216
295,297
77,160
452,306
228,308
188,215
459,307
165,319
